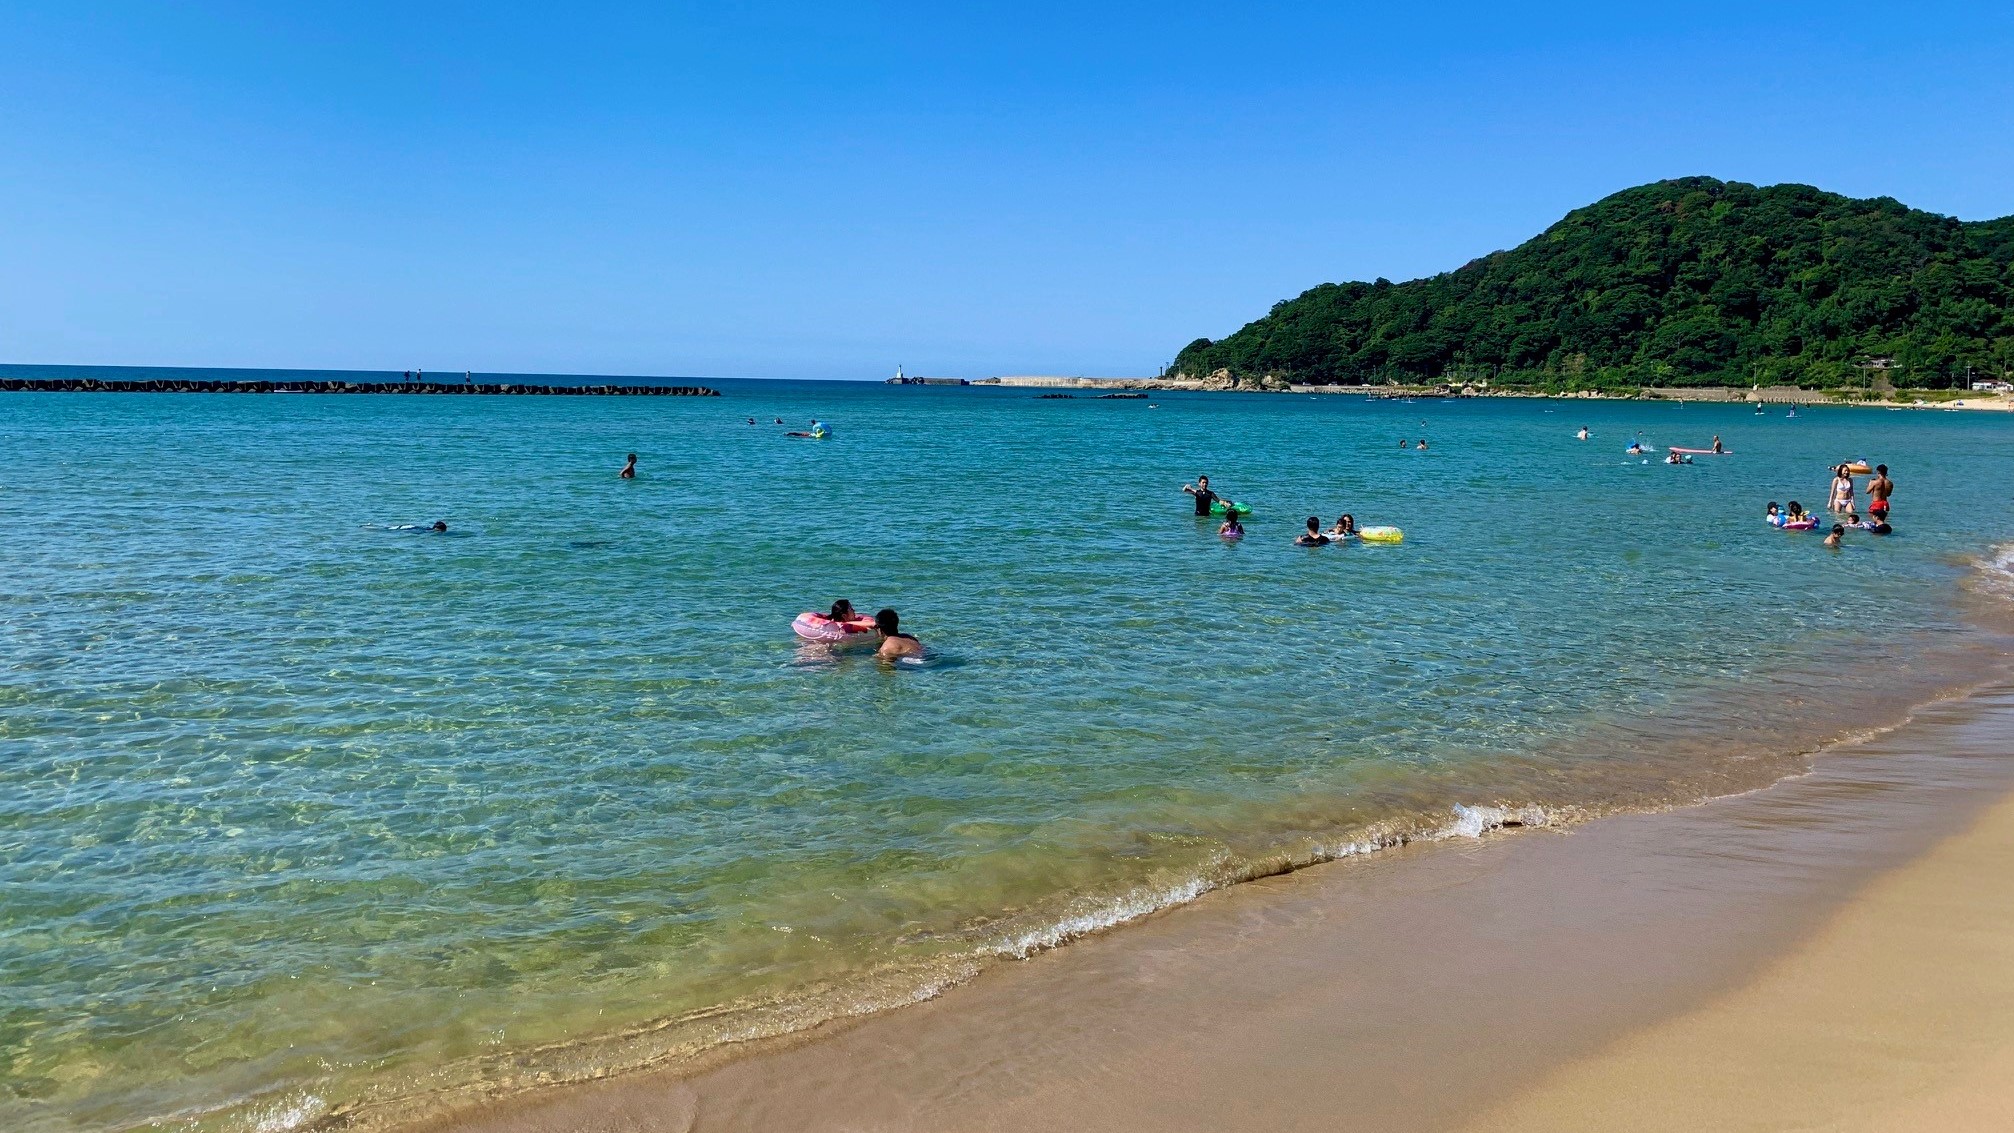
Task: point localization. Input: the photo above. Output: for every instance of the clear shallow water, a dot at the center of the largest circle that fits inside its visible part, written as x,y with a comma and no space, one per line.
298,813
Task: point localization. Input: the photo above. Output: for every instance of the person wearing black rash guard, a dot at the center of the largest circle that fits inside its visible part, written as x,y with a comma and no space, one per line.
1314,536
1204,496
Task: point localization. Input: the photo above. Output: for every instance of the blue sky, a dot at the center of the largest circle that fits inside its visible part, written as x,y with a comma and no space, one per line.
826,191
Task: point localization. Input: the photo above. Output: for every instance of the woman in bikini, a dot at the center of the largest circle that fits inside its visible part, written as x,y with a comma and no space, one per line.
1842,490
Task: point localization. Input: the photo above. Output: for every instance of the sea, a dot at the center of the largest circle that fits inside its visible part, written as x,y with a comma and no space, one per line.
311,816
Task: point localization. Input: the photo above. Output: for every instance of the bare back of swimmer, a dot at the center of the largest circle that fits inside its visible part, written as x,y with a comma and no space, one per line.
895,643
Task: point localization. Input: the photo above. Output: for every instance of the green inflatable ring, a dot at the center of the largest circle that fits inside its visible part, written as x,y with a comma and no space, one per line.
1220,508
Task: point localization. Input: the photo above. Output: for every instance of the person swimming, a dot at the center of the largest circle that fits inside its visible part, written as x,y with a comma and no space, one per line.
440,527
1833,537
1677,458
1774,515
894,643
1313,537
628,469
1231,528
1794,513
1583,434
1423,444
1635,446
1346,527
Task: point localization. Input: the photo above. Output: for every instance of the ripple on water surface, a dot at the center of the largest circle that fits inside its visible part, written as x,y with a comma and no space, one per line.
299,813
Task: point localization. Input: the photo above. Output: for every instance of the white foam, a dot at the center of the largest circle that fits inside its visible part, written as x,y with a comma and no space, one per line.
1134,905
1475,821
1996,570
288,1113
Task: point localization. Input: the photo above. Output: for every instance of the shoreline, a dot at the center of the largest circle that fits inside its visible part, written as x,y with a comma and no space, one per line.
1280,999
1711,395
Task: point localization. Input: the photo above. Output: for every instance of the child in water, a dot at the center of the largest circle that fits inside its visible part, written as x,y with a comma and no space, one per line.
1832,538
1774,516
1231,529
1346,526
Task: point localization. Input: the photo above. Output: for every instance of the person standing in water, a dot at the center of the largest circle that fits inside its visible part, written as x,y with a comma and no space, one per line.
1878,490
895,643
1716,443
1314,536
1842,490
628,469
1582,435
1204,496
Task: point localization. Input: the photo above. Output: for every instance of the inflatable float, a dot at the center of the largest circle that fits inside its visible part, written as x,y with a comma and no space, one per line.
1859,468
1800,525
1222,508
1701,451
814,626
1381,535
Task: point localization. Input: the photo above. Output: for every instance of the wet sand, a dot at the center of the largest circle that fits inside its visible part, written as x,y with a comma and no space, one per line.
1898,1015
1729,962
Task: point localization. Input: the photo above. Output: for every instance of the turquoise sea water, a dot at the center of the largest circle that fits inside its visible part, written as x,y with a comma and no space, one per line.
302,816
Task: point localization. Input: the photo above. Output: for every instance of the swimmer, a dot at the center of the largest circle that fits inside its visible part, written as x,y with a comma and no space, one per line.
1314,536
1582,435
1794,513
1880,488
1832,537
842,611
751,420
779,420
1231,529
1677,458
1879,526
1842,490
629,469
1204,496
895,643
1636,446
1774,515
1423,444
1346,526
440,527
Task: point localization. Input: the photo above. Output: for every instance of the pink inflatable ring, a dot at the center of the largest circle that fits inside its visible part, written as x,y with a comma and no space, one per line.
813,626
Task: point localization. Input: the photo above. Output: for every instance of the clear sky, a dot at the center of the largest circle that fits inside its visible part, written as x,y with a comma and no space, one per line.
827,190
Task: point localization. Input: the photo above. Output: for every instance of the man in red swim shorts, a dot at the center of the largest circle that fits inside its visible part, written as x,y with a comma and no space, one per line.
1880,488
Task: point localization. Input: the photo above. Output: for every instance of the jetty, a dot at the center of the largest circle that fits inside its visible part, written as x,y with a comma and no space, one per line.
193,385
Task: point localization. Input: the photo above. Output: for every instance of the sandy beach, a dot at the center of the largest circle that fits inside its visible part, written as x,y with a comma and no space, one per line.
1836,951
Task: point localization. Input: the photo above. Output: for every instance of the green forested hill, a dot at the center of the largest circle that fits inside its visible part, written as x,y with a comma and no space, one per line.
1685,282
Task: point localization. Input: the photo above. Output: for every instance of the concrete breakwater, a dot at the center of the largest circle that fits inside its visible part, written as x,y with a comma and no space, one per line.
180,385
